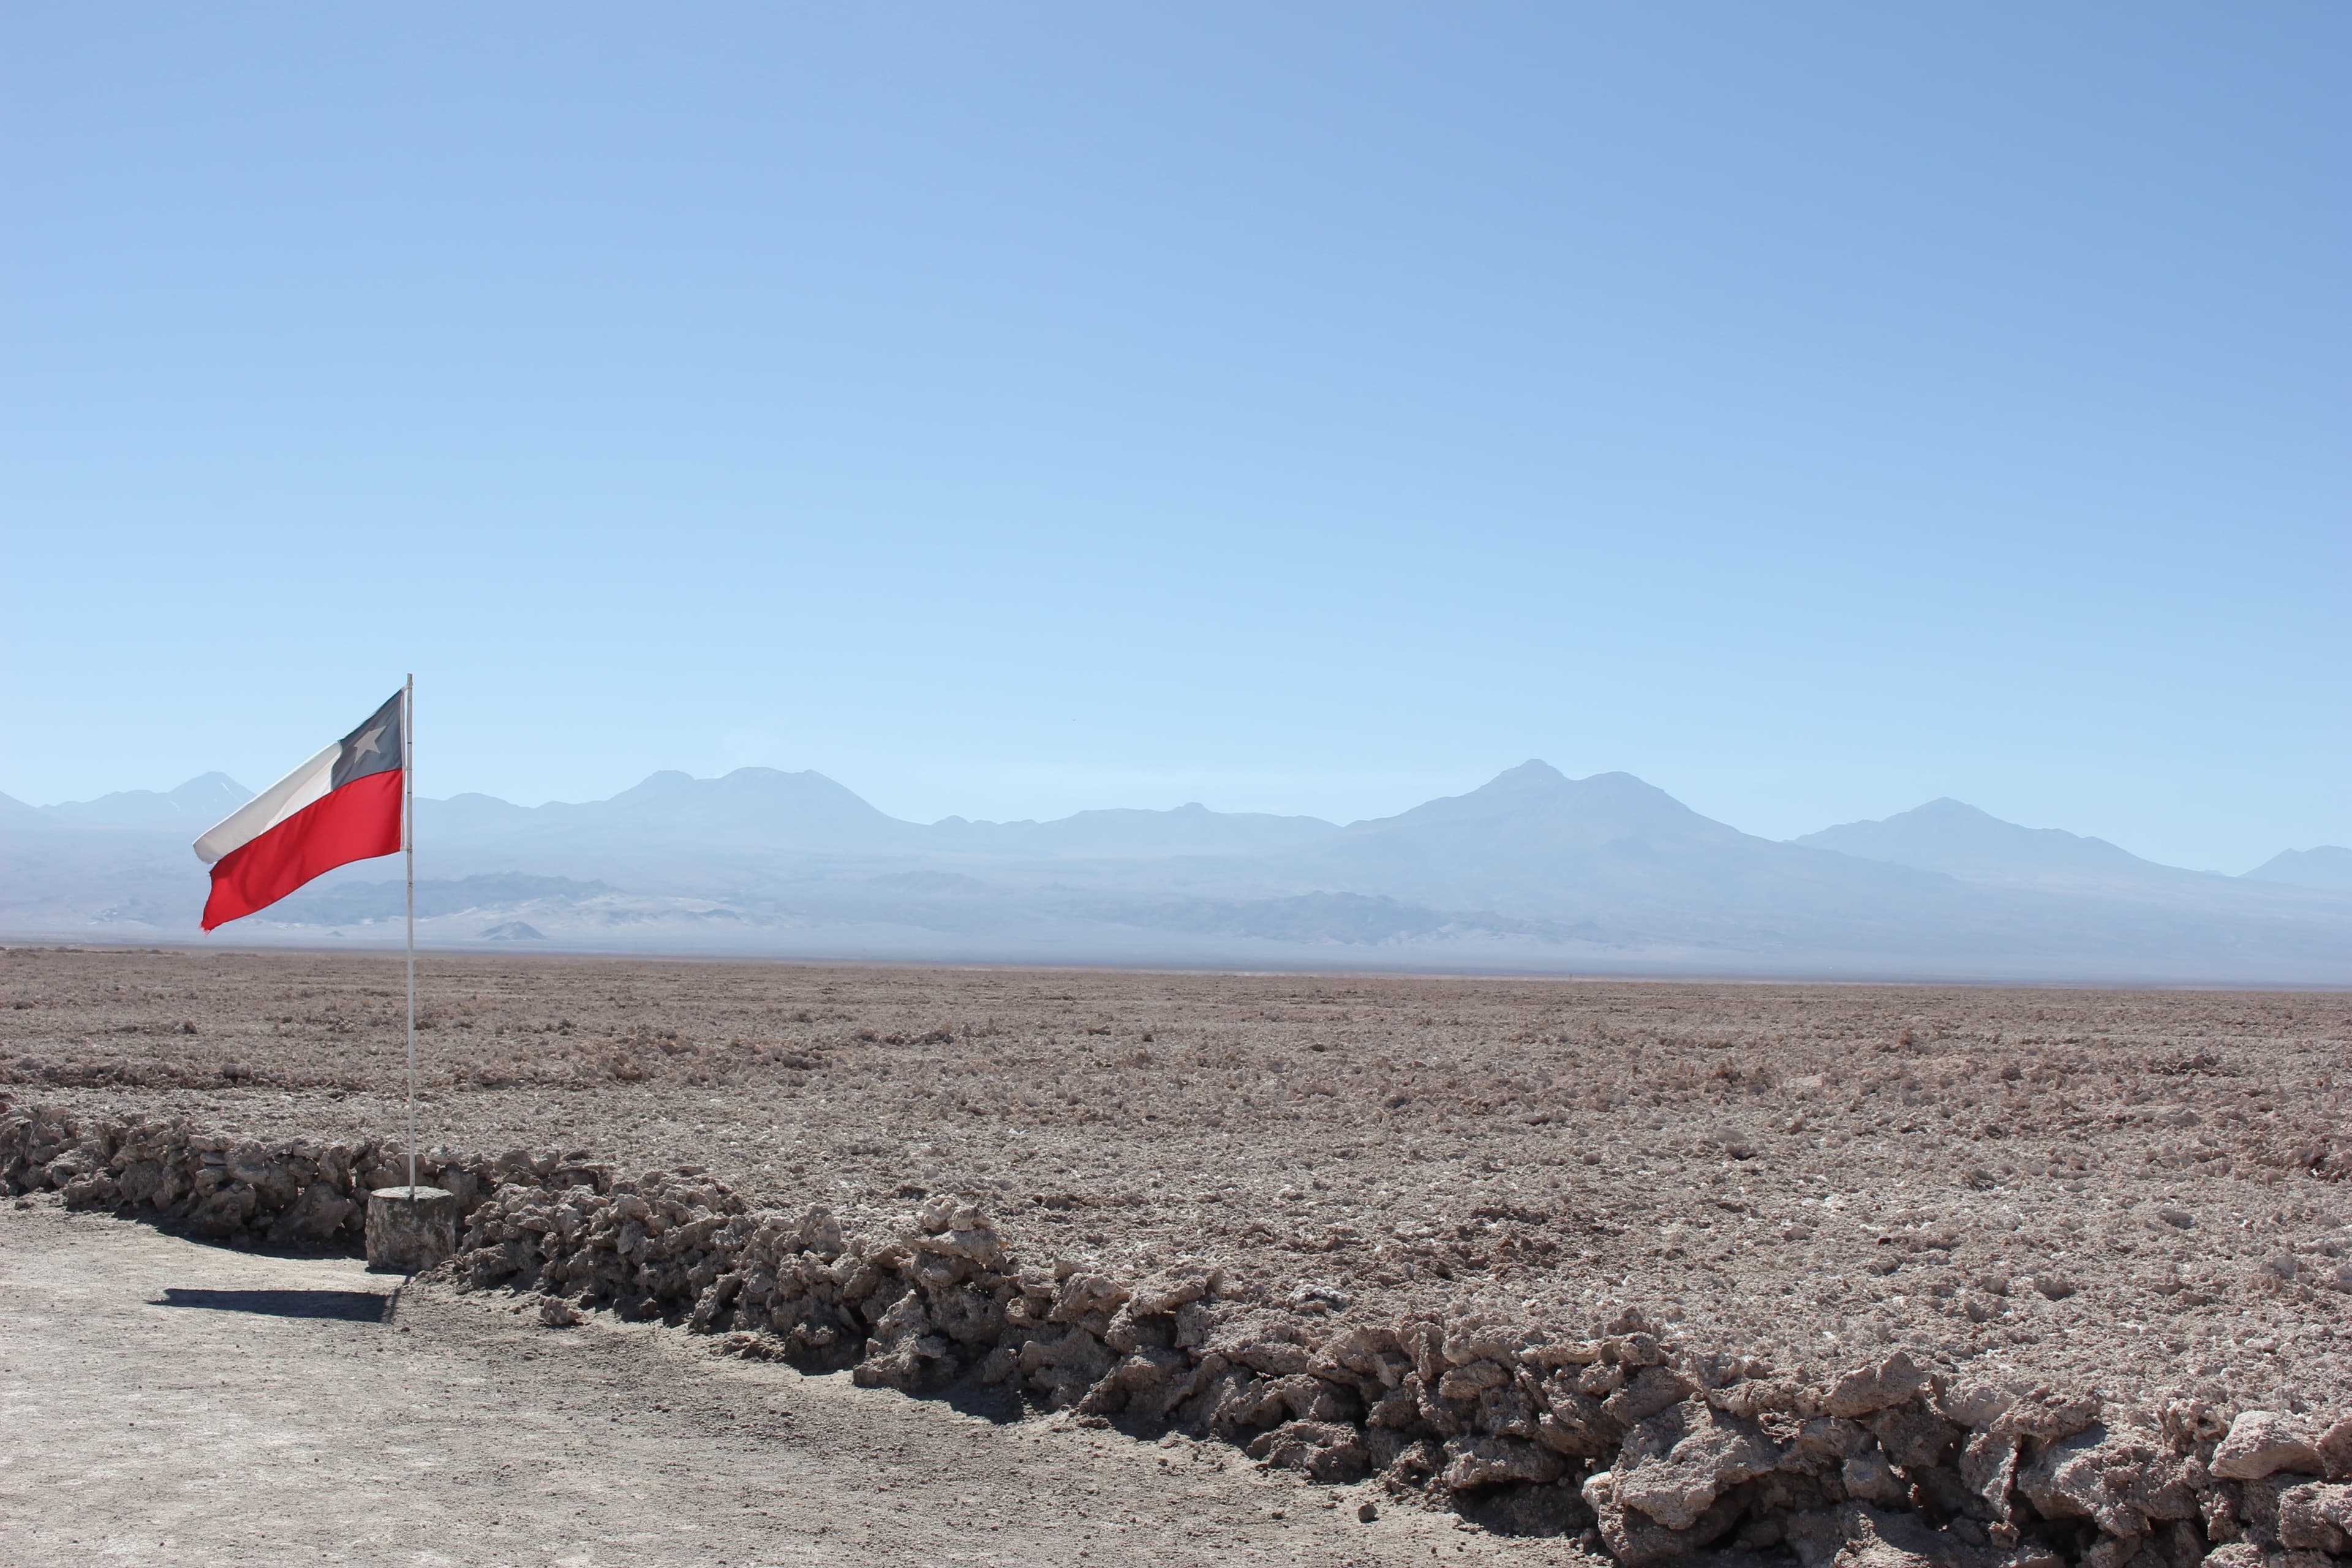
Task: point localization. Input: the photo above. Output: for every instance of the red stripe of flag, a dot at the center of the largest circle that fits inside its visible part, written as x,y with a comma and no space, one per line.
357,822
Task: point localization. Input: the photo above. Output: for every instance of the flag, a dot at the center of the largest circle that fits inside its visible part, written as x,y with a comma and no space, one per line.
341,805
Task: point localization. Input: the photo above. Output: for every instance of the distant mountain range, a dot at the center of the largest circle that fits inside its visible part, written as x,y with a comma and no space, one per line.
195,805
2328,869
1533,871
1961,841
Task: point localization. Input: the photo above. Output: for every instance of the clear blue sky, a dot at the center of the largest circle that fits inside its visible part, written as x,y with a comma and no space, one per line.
1813,409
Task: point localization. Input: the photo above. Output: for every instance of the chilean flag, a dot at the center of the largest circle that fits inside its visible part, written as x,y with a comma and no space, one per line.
341,805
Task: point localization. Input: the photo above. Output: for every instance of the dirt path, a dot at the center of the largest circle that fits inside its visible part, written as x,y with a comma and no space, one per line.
170,1403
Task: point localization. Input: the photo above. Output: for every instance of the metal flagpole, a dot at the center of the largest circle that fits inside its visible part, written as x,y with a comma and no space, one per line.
408,844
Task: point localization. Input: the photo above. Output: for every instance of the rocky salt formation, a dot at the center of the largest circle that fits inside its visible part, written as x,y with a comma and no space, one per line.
1655,1445
287,1192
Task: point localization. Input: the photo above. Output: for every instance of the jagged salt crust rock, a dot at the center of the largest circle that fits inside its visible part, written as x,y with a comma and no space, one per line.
1656,1446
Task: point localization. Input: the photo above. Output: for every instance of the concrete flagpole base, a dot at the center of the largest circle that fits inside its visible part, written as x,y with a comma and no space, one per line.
410,1229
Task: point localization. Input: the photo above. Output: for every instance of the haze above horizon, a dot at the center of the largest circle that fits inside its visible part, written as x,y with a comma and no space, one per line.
1314,412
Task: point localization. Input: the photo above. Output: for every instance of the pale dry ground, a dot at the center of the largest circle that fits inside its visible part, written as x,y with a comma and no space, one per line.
2143,1192
457,1433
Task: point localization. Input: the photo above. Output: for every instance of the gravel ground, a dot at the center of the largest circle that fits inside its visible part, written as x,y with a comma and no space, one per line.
2140,1192
169,1403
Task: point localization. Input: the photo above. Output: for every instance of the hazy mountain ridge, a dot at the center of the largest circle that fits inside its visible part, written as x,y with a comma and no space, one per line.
1189,829
765,810
195,804
1960,840
1531,871
2328,869
1532,841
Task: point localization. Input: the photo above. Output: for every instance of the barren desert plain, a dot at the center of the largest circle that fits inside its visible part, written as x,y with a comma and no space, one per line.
1867,1273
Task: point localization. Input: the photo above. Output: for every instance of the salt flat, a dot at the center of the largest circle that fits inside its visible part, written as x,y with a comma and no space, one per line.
2125,1210
2141,1189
